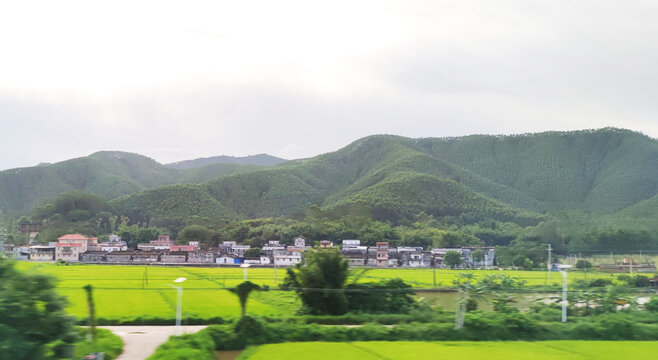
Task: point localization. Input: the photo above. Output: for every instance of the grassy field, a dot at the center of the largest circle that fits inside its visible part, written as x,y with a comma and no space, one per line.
132,291
542,350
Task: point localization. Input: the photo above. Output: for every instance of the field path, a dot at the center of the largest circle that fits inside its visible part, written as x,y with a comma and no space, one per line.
139,342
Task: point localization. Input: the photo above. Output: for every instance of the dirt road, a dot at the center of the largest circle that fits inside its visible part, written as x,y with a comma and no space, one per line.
139,342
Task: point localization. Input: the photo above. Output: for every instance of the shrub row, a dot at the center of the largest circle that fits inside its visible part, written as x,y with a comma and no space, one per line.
477,327
199,346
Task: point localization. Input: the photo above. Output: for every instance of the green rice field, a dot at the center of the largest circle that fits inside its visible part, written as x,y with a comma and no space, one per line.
124,292
541,350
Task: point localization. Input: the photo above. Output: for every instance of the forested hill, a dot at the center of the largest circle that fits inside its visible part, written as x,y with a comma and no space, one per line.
505,178
517,179
108,174
260,159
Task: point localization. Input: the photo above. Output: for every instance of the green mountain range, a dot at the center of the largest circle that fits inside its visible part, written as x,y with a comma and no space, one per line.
108,174
607,174
506,178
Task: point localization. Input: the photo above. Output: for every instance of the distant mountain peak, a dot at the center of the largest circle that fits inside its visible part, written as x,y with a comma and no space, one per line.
258,159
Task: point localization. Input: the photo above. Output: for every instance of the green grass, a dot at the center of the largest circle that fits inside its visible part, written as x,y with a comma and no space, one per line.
543,350
122,292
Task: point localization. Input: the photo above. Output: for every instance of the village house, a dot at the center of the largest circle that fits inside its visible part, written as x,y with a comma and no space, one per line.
382,254
201,257
413,259
393,257
227,260
226,247
355,258
176,257
410,256
325,244
146,257
68,251
348,243
119,257
163,242
265,260
93,245
272,246
42,253
252,261
93,256
238,250
287,258
356,255
21,252
300,243
113,246
487,259
438,256
185,248
83,241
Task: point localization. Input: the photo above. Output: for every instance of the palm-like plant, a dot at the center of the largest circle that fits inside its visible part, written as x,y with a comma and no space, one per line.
467,289
242,291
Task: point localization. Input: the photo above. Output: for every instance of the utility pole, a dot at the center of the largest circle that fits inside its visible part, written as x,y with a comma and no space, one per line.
564,295
548,264
434,268
631,259
549,257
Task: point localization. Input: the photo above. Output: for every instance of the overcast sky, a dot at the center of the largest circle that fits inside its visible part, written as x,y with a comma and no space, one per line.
187,79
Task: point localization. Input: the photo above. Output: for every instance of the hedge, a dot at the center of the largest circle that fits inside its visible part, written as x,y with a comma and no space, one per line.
477,327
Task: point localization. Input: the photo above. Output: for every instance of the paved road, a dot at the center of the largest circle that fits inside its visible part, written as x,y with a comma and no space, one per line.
139,342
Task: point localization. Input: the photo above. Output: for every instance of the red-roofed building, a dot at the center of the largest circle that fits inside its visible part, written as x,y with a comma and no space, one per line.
70,246
186,248
68,251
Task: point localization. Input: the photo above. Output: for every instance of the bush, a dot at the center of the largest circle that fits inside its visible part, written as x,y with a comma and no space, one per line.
199,346
583,264
106,342
600,282
652,305
635,281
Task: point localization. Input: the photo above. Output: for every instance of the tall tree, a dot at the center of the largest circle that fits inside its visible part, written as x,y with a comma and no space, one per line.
31,314
320,282
453,259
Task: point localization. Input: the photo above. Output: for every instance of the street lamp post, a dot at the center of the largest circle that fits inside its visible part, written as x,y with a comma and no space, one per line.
179,305
563,271
245,274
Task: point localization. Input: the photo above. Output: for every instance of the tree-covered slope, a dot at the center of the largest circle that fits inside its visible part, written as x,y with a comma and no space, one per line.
505,178
515,178
107,174
212,171
172,206
602,171
258,160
